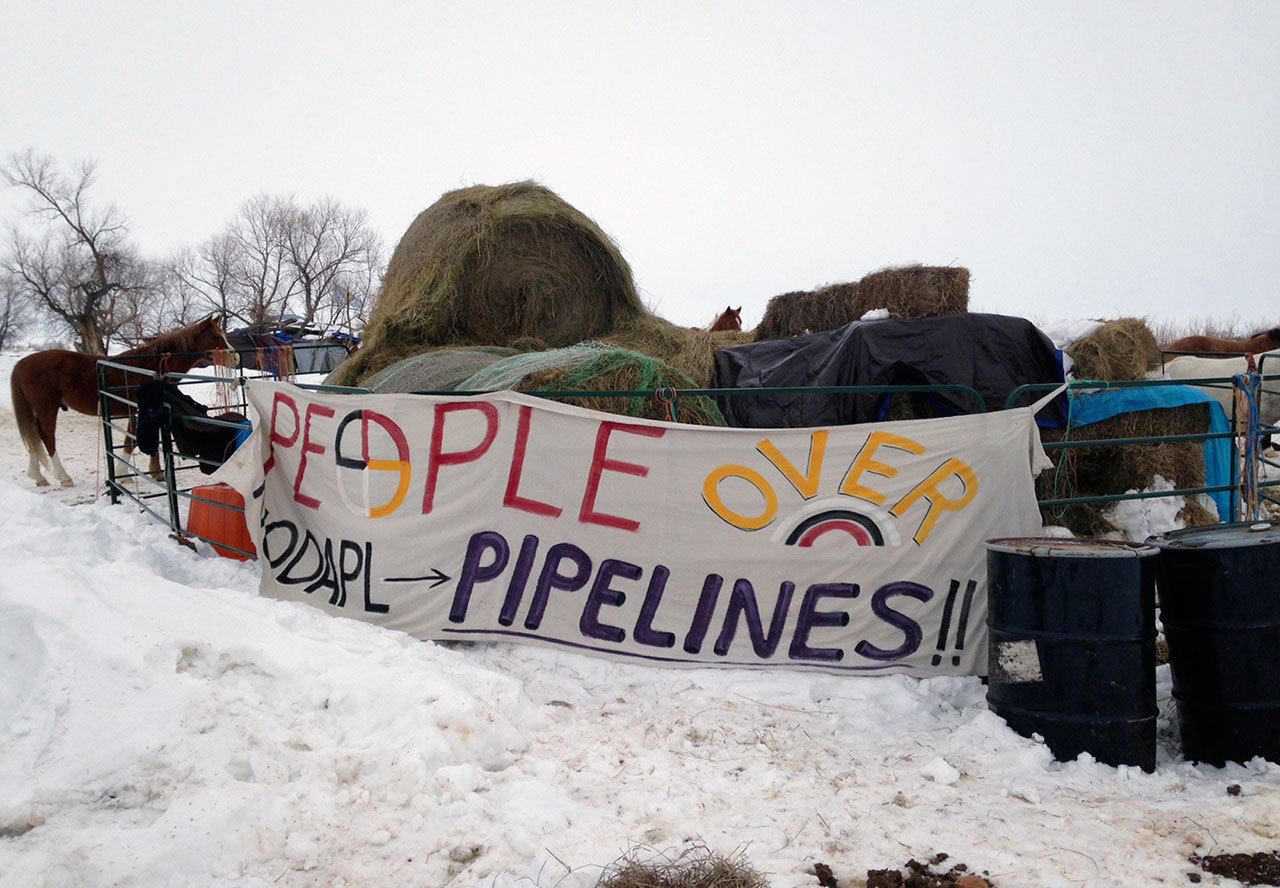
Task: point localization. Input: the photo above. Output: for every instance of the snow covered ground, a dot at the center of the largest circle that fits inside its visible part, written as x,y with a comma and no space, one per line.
162,725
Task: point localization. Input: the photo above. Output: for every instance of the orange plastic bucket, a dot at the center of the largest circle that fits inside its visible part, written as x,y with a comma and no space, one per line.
218,525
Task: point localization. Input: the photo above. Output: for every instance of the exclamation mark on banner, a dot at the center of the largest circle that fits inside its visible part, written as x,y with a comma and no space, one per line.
963,625
946,621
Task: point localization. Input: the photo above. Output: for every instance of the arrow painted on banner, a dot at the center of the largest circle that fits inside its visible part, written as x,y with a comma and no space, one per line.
435,578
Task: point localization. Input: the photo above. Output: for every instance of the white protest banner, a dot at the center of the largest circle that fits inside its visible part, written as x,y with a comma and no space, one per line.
855,549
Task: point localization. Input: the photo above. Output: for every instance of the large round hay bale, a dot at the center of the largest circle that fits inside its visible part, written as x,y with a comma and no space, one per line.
488,265
911,291
1122,349
593,368
439,370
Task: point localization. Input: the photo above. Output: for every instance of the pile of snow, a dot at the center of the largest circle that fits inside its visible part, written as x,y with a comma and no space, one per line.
875,314
1063,333
1138,519
161,724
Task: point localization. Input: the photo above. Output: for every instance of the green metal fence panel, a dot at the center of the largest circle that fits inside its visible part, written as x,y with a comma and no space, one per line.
175,464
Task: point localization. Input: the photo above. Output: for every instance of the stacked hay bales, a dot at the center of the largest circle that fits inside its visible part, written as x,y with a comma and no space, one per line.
1123,350
912,291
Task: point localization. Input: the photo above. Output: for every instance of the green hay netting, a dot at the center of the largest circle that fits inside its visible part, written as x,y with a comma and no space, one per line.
440,370
598,367
510,372
493,265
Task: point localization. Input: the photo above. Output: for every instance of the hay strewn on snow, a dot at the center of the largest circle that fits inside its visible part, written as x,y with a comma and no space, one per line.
912,291
697,867
1122,349
488,265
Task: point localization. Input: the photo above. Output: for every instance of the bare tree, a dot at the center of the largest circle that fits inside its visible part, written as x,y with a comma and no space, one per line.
276,258
79,263
206,276
261,274
15,311
331,253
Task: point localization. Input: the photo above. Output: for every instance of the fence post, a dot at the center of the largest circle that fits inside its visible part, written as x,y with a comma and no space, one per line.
1235,457
170,482
1249,384
108,442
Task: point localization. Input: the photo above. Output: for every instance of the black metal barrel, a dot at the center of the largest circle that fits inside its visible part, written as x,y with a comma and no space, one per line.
1071,650
1220,605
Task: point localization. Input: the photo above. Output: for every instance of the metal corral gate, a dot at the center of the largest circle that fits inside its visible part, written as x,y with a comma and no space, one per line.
165,495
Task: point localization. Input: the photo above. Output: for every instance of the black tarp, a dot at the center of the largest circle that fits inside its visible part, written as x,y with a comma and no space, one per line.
266,352
992,354
190,436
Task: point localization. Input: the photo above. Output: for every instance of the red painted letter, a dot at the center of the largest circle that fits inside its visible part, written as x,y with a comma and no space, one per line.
308,446
276,437
600,462
512,498
439,458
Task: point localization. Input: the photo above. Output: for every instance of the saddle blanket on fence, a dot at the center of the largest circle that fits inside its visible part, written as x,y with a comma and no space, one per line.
850,549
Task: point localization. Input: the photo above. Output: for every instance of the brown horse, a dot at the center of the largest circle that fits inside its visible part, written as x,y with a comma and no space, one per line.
729,319
1267,340
48,380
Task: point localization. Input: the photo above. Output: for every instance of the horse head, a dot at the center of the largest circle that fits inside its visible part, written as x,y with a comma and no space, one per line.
210,336
729,319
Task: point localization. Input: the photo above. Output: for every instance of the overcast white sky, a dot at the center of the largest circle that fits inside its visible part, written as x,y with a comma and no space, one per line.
1079,158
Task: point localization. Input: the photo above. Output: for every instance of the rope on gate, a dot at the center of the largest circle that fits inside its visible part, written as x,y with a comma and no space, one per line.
1248,385
667,398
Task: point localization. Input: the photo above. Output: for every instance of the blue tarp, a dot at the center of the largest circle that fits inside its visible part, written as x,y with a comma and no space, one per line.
1095,407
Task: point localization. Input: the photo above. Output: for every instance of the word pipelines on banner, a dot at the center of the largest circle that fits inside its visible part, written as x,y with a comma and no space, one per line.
948,486
566,568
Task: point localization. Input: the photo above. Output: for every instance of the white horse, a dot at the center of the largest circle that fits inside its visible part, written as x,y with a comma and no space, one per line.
1189,367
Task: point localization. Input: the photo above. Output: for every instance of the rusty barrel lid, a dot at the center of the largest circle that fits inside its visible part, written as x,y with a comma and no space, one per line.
1220,536
1067,547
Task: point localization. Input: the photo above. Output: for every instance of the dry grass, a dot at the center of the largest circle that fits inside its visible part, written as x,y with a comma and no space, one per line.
912,291
1104,470
1123,349
697,867
515,265
623,370
495,265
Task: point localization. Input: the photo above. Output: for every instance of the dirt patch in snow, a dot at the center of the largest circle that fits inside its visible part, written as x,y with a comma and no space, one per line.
934,873
1260,868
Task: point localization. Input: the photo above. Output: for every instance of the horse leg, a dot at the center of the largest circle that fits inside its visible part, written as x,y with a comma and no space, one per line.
47,417
33,469
60,473
153,468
